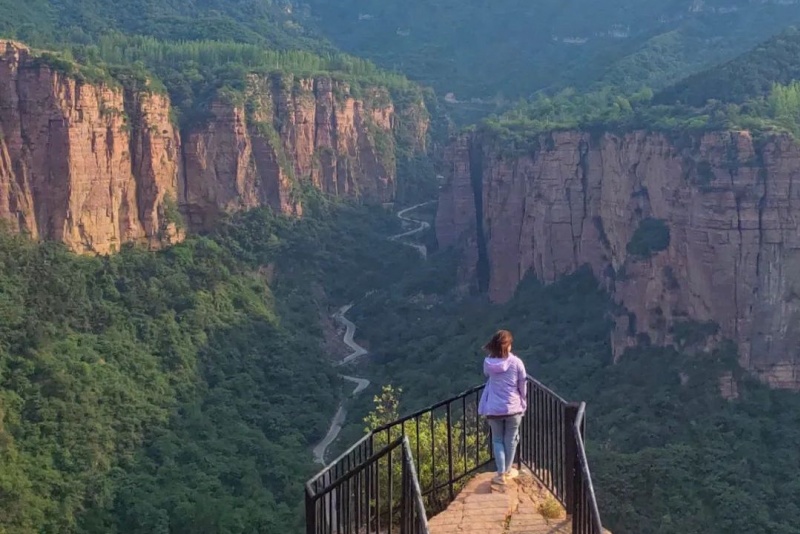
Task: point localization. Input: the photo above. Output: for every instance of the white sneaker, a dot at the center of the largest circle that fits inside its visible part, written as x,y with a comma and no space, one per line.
512,473
499,479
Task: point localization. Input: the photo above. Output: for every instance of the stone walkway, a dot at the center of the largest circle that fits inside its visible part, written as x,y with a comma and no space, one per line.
479,509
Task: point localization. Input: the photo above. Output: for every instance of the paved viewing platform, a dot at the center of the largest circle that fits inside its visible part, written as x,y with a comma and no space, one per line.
405,476
482,508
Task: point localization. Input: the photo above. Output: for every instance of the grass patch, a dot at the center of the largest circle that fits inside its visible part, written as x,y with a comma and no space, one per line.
550,508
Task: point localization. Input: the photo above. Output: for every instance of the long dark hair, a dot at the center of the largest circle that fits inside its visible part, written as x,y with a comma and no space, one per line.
500,344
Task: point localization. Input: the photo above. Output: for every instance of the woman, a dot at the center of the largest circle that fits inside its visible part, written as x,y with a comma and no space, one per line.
504,401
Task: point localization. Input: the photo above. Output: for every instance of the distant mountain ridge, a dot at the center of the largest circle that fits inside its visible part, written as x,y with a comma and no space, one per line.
749,75
268,22
512,48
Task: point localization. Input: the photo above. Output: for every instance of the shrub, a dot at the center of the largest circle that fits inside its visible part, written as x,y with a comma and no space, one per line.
652,236
550,508
687,333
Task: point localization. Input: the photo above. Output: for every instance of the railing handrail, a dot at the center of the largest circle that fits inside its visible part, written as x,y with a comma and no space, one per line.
324,470
594,510
357,469
552,433
418,503
384,428
418,413
338,492
547,390
423,411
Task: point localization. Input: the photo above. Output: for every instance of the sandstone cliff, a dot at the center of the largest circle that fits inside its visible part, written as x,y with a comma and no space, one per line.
72,168
731,206
254,152
96,165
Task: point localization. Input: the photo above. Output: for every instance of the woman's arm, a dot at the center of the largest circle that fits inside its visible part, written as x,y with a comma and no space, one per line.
522,384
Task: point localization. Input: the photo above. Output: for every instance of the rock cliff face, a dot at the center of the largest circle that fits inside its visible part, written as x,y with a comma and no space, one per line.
71,166
731,206
96,165
253,153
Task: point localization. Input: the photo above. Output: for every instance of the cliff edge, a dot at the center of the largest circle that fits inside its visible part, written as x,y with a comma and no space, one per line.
96,164
690,233
72,168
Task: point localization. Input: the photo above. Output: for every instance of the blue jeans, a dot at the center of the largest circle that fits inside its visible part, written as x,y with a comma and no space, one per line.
505,437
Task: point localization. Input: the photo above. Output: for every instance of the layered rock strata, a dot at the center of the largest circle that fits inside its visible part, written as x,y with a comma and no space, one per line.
96,165
731,205
72,168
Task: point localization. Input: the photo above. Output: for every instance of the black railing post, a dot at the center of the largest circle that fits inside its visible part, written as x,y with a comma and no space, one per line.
571,473
581,483
450,453
523,430
310,514
404,494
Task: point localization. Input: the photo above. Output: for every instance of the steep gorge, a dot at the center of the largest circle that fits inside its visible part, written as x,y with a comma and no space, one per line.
96,165
731,205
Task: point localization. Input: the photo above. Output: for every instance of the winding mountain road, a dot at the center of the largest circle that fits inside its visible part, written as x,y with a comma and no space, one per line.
421,227
350,331
340,417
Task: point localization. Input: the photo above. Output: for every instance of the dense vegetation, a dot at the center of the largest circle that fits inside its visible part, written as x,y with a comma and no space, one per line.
668,453
47,22
449,45
506,49
748,76
650,237
521,129
756,91
175,391
199,52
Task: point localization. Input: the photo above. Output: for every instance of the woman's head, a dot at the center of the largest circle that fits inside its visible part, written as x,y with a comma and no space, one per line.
500,344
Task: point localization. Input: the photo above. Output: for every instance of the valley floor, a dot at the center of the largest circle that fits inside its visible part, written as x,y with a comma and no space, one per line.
358,351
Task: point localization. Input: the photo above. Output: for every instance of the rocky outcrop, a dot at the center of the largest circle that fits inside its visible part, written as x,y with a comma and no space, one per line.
96,164
730,266
287,130
73,168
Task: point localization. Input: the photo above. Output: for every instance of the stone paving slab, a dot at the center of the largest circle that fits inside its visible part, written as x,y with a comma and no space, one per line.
479,509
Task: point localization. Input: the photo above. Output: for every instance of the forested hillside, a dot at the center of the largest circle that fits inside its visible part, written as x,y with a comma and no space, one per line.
178,391
46,22
512,48
193,50
756,91
745,77
668,453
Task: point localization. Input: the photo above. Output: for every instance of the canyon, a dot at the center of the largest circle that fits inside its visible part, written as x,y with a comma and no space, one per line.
95,164
730,268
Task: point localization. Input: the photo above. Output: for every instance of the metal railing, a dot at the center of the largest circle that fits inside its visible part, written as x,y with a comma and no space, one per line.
552,446
585,514
380,495
449,441
544,432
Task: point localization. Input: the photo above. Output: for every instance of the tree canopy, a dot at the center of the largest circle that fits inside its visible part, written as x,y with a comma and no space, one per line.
176,391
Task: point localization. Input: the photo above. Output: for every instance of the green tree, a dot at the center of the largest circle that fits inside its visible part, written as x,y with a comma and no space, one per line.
429,437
